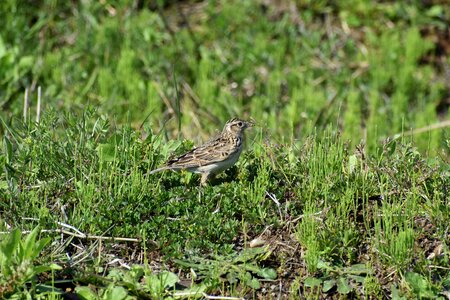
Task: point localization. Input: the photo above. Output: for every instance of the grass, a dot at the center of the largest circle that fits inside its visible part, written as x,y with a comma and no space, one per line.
325,208
321,204
261,61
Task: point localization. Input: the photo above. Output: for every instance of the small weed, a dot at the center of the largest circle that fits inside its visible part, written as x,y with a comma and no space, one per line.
17,263
240,267
342,280
139,282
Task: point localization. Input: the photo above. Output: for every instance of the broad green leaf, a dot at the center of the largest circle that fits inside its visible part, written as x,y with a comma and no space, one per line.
421,287
323,265
249,254
312,282
131,279
115,274
85,293
168,279
343,287
357,278
153,282
115,293
268,273
253,283
136,271
30,249
328,285
29,244
11,244
249,267
232,277
359,269
396,294
39,246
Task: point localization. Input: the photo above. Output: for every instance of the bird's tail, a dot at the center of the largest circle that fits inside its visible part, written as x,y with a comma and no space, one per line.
159,170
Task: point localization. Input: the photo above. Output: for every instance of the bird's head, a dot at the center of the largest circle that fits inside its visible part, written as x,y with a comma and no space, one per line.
237,126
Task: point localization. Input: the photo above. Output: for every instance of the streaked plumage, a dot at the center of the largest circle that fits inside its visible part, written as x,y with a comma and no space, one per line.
214,156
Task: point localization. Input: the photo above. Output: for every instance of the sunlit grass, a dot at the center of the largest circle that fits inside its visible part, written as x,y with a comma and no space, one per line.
276,66
339,196
335,205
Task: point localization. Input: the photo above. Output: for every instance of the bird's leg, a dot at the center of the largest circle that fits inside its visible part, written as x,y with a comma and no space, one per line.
205,177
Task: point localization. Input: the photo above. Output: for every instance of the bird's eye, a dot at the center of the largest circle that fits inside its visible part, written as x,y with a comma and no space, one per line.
240,124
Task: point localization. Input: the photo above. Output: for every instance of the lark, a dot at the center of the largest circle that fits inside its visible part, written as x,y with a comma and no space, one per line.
215,156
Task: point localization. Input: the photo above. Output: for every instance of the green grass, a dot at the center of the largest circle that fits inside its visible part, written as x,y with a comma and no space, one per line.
367,77
387,212
335,207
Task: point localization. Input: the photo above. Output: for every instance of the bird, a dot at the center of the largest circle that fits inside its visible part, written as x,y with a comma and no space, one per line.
216,155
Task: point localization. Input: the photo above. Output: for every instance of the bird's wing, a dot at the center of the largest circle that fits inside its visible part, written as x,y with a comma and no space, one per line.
211,152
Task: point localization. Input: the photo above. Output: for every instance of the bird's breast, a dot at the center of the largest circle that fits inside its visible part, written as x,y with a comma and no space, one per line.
218,166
